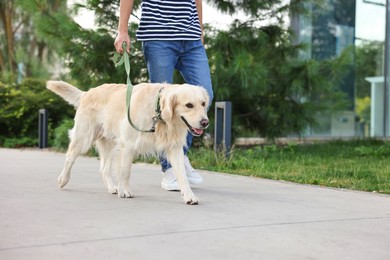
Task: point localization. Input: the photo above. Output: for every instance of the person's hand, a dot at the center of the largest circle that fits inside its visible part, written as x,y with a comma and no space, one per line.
120,38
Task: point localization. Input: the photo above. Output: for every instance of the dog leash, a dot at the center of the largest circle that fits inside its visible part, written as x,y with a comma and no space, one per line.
124,59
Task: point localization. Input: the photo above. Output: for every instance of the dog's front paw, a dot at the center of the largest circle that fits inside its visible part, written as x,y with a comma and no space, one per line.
190,198
111,187
63,179
124,193
112,190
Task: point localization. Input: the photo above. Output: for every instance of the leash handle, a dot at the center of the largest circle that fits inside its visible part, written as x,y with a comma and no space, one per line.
118,60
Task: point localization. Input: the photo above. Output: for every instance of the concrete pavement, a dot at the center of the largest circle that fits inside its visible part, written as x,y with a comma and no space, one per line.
237,218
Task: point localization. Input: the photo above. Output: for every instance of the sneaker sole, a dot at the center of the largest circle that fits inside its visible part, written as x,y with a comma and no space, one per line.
195,181
170,187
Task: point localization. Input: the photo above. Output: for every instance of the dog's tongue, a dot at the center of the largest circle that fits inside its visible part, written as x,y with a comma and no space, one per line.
197,131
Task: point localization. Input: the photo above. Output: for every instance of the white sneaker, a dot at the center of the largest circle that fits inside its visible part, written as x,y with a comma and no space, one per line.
192,175
169,181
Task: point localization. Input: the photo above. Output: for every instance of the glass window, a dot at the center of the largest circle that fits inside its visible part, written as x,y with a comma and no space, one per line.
358,27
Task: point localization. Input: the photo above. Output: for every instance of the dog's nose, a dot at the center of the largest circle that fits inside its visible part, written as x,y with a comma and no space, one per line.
204,122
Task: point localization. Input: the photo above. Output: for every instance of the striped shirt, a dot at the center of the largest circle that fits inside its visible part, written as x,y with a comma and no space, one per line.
169,20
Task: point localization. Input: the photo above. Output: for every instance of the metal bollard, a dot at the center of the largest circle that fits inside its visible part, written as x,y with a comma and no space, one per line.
223,127
43,128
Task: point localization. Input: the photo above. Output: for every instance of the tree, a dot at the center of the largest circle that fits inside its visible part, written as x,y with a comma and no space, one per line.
263,10
7,54
255,65
273,92
368,57
22,53
87,53
20,104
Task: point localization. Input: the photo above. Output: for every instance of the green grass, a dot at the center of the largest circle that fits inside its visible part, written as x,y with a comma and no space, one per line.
359,165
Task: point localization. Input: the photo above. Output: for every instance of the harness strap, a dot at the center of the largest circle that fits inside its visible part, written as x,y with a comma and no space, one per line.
124,59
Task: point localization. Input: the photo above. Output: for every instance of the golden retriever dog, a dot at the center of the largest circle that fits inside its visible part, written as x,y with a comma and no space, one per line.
101,120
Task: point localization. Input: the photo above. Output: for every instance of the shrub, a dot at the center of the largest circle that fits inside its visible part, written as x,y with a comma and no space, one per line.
19,108
20,142
61,135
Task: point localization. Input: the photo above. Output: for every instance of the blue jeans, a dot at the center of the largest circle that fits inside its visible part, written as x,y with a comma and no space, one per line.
189,58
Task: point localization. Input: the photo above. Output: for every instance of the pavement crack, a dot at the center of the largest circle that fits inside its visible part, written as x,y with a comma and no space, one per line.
66,243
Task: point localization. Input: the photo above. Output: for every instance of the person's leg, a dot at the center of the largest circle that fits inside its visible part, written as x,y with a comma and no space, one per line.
160,58
193,65
189,57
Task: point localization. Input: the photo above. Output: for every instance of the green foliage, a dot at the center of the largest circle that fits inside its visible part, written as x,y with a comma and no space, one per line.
20,104
87,53
263,10
22,52
363,109
61,135
368,64
19,142
273,92
106,12
368,56
381,151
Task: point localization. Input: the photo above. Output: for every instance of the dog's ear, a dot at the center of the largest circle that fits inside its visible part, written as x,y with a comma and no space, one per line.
168,103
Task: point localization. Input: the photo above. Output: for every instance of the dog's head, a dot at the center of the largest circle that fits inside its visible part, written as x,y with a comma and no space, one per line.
188,105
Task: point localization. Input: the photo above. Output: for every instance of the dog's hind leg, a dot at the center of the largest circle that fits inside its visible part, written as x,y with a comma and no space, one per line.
105,148
80,142
73,152
126,161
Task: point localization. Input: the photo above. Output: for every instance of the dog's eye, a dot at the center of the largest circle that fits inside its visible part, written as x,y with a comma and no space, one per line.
189,105
203,104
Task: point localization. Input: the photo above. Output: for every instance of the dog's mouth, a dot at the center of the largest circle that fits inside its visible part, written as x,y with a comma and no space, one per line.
193,130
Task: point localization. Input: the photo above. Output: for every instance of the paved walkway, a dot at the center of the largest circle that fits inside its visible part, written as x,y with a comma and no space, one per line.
237,218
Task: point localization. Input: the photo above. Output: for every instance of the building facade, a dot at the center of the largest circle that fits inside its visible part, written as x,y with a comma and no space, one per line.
336,27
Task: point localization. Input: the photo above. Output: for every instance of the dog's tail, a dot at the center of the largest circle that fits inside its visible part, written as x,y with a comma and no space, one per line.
70,93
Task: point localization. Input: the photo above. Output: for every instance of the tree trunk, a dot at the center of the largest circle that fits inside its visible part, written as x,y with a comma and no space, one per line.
2,64
6,14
